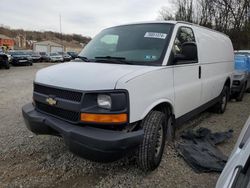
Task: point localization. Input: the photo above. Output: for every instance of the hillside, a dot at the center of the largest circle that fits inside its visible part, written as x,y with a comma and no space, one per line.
71,39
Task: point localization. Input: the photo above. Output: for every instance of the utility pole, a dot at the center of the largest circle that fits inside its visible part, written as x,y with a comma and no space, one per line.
61,32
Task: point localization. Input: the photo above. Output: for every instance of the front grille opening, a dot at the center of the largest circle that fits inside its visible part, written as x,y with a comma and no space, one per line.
58,112
60,93
236,82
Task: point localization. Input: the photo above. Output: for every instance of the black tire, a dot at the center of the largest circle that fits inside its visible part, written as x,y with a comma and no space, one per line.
240,95
7,66
170,126
248,90
220,107
151,149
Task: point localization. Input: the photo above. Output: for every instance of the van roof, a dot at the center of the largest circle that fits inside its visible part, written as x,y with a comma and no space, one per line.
171,22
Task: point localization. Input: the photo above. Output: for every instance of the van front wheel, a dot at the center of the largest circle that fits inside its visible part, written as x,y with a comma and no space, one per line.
240,95
151,149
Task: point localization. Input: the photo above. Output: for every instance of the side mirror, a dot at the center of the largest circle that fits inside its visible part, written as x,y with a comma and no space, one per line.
188,53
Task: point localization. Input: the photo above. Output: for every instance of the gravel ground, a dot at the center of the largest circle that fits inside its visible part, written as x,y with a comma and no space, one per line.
27,160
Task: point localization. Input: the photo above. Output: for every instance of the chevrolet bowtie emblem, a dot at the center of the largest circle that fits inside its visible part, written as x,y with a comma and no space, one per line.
51,101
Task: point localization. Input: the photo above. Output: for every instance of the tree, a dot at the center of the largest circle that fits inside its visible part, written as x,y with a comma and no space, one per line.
231,17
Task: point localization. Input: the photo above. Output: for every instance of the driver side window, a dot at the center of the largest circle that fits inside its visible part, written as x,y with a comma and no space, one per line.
184,48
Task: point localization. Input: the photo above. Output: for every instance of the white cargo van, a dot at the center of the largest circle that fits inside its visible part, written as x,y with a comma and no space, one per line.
135,83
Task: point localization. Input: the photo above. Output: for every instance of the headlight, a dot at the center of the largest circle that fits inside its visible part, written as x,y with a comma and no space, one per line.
104,101
239,76
108,107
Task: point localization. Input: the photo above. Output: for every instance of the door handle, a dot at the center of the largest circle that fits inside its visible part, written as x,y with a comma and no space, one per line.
199,72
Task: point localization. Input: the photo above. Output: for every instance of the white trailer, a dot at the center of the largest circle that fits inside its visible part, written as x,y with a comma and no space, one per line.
47,46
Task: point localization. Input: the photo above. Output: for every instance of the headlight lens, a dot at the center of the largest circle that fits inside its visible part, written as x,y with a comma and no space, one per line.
104,101
239,76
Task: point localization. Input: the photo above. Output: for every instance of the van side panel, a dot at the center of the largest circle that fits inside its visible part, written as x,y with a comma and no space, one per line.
187,88
187,84
147,90
216,57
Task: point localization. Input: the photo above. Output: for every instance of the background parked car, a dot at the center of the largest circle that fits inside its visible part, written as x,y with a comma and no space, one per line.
4,61
55,57
66,57
73,54
36,57
241,78
20,58
44,56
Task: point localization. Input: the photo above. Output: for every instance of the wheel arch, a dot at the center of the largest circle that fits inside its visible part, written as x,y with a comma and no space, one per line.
160,105
228,82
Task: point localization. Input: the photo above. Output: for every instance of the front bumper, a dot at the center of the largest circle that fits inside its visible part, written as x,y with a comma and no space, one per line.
36,59
21,61
91,143
56,59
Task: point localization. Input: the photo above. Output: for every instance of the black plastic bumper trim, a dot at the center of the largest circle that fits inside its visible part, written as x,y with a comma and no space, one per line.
91,143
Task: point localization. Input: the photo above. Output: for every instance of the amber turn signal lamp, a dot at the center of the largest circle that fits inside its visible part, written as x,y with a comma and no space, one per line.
104,118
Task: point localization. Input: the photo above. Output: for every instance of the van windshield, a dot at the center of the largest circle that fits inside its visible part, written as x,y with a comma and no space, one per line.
135,44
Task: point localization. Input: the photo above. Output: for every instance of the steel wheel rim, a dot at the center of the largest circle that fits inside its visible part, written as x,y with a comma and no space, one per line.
159,141
224,101
170,125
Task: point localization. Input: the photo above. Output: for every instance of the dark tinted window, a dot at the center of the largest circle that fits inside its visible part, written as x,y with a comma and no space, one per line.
241,53
184,37
16,53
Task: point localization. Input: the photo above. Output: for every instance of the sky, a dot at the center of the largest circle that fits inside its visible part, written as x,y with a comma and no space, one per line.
85,17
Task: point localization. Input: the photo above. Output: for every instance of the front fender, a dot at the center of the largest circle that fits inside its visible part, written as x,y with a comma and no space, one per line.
148,90
153,105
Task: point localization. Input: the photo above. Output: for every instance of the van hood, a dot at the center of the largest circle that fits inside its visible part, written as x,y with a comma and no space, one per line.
239,73
88,76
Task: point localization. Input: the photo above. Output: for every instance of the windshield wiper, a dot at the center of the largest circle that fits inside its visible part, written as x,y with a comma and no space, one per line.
113,59
110,57
83,58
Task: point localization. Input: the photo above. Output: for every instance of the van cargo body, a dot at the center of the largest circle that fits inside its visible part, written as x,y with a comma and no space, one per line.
135,84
